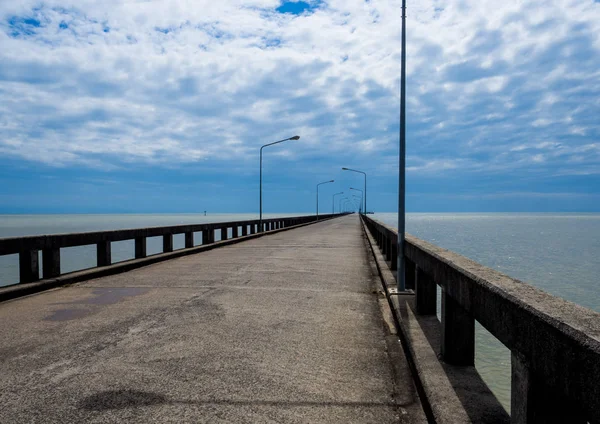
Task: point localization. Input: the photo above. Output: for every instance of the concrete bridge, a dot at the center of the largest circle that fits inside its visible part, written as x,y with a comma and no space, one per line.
298,323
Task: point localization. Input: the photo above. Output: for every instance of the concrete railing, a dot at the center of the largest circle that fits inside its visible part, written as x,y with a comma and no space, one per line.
554,344
28,247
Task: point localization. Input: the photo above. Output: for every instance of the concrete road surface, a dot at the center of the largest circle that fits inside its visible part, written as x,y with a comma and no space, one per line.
281,329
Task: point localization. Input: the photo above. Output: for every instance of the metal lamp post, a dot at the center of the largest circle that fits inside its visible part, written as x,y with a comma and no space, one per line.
333,201
402,161
347,205
341,200
296,137
361,193
364,173
360,201
324,182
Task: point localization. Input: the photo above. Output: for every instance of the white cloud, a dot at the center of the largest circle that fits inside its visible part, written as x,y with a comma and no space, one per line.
116,82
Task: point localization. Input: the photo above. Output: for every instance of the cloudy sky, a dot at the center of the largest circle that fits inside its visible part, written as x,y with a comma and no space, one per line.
162,105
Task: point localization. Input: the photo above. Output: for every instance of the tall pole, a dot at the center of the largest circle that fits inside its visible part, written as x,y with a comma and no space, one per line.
365,211
362,194
333,201
402,169
360,202
365,174
324,182
260,224
342,200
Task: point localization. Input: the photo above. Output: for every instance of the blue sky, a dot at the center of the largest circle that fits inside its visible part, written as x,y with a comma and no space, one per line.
162,106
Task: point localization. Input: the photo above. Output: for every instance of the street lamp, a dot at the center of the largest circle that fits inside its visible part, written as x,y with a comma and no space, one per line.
341,200
333,201
296,137
361,193
360,201
360,172
324,182
349,204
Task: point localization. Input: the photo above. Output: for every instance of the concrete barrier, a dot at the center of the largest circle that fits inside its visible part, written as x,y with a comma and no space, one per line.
554,344
28,247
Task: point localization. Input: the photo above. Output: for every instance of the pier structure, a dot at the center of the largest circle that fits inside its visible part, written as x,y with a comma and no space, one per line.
301,322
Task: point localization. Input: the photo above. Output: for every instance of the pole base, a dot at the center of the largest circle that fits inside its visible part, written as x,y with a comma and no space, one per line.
395,292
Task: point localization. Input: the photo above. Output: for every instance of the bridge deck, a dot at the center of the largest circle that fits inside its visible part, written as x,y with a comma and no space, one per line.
284,328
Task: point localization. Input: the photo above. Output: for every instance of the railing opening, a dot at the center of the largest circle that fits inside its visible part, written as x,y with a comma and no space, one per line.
76,258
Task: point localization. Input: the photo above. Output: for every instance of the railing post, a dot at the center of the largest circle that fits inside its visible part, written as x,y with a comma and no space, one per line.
253,228
531,398
388,248
244,230
458,333
29,267
103,253
410,275
167,243
189,240
208,236
394,254
520,386
234,231
223,233
426,293
140,247
51,262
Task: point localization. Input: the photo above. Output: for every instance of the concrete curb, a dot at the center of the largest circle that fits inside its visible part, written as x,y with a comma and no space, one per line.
399,361
19,290
436,382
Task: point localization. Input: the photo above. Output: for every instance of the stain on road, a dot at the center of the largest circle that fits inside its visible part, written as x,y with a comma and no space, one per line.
100,297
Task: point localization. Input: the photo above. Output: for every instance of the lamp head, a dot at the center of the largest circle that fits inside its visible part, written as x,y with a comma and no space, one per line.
345,169
332,181
296,137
